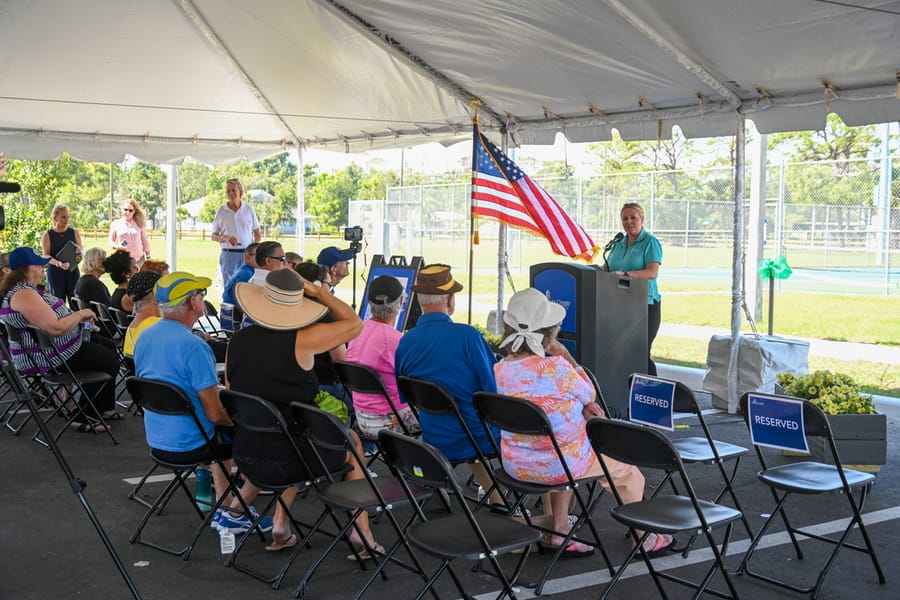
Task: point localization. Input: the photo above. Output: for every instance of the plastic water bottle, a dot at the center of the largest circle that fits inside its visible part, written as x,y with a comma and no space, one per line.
86,331
203,487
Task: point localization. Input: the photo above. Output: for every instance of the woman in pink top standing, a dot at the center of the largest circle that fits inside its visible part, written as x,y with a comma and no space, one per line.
375,347
129,232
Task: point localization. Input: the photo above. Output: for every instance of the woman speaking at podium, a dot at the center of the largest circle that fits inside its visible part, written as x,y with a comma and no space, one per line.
639,255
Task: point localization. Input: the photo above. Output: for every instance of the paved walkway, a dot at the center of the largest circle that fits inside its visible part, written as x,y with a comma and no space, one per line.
842,350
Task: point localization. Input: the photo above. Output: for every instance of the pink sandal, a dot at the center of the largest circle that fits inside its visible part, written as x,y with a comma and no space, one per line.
657,543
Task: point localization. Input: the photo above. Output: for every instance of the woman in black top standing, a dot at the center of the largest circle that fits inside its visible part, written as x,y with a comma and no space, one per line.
61,276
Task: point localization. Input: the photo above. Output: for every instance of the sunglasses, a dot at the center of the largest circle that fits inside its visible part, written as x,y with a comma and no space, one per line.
127,210
237,181
279,258
201,292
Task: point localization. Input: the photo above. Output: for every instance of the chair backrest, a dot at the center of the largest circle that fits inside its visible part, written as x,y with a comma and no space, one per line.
81,304
517,415
122,318
43,339
160,397
610,413
633,444
360,378
425,396
254,414
14,335
418,462
326,432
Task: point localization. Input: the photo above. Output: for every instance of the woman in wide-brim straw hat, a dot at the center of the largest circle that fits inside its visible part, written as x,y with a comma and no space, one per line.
273,359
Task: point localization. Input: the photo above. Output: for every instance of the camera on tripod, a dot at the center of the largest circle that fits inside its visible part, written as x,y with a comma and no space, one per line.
354,235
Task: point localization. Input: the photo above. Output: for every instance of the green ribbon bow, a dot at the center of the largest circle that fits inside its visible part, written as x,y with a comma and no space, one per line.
774,269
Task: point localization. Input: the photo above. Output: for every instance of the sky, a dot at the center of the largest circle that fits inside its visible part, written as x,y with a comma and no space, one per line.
435,158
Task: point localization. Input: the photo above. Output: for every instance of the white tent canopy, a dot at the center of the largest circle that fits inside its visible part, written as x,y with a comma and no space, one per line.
217,81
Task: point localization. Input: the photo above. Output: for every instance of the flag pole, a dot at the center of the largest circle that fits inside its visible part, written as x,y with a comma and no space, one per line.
475,104
502,236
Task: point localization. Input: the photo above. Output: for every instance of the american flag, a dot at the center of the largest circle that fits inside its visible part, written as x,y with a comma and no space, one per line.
501,190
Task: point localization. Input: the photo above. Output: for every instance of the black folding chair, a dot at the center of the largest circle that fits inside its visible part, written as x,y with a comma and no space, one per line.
811,478
425,396
170,400
519,416
364,380
354,497
461,534
703,450
63,377
648,448
254,417
610,414
33,380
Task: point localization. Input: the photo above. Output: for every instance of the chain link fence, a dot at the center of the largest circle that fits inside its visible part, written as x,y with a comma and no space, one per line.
837,222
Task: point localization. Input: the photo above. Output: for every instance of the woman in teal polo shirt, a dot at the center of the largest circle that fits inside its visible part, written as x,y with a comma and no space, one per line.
639,255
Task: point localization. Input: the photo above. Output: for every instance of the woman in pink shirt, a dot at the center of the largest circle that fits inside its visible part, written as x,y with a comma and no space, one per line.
129,232
375,347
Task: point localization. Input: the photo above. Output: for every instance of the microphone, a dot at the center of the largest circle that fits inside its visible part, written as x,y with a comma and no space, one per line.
613,241
9,187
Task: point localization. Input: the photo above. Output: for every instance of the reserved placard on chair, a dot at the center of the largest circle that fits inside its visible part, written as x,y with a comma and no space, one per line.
777,422
651,402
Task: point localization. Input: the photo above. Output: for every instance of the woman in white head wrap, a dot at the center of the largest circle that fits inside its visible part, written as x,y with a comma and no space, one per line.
540,369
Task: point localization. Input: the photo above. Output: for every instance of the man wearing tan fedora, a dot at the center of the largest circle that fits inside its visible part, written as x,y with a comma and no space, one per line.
454,356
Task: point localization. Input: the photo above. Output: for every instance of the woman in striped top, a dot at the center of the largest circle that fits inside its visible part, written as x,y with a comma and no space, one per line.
25,302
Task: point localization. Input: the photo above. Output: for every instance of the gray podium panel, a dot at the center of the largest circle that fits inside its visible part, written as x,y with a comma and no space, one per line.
605,327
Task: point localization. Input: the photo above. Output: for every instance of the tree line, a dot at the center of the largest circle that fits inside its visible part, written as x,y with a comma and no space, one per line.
86,187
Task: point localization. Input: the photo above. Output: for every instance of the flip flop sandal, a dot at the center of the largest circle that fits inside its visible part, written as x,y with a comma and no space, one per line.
116,416
278,546
661,543
364,554
573,550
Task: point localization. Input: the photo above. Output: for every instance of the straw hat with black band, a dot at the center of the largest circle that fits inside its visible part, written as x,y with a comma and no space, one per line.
280,303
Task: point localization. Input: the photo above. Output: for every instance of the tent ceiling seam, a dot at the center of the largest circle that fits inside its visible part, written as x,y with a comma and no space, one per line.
689,64
396,47
194,15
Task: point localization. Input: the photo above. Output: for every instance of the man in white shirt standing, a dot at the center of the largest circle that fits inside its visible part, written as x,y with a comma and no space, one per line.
235,227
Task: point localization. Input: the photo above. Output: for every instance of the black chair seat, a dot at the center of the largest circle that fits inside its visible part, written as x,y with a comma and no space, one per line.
673,514
83,377
528,487
812,478
175,466
697,450
451,537
357,493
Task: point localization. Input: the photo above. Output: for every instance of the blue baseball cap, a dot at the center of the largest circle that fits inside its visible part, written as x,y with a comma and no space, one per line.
25,257
331,255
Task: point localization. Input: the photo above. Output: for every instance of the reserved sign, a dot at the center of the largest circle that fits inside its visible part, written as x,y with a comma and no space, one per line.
777,422
651,402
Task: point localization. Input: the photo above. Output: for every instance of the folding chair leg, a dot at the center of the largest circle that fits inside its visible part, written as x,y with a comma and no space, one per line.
133,494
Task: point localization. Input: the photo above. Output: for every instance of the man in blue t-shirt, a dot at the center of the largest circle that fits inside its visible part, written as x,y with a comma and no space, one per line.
169,351
454,356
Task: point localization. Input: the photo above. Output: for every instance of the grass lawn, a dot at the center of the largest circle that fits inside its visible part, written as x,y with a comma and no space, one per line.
855,318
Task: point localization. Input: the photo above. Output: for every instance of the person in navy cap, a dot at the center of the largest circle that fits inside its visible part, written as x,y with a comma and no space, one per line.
337,261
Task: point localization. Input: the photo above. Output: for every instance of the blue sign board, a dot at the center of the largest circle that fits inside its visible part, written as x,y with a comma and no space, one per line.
777,422
559,287
651,402
406,276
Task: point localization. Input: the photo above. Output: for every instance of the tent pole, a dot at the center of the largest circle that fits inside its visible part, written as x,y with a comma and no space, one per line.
737,263
301,203
502,236
171,216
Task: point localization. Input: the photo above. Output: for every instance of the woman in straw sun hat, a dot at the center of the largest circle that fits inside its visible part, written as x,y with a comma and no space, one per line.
273,359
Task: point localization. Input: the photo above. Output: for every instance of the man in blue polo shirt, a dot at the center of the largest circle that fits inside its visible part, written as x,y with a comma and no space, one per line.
168,351
454,356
